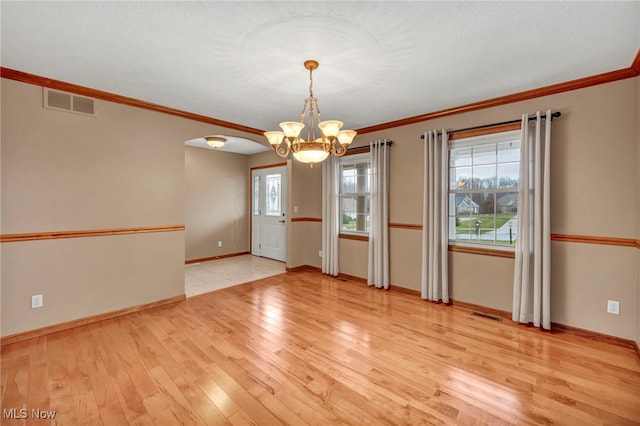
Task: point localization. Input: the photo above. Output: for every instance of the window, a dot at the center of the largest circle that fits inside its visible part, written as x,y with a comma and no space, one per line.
484,173
355,180
272,195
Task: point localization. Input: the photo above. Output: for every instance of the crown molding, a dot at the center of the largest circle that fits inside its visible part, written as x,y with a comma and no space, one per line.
580,83
635,65
50,83
608,77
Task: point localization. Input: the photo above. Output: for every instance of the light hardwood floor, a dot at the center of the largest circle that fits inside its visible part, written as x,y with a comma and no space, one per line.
301,348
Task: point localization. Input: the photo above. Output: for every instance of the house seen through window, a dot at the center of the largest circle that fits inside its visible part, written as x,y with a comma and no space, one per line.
483,189
355,181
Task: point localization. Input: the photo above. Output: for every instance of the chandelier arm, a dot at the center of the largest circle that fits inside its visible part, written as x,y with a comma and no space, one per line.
282,150
338,150
295,145
326,142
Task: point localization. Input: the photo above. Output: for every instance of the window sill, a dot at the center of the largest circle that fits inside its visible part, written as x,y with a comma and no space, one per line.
357,237
483,250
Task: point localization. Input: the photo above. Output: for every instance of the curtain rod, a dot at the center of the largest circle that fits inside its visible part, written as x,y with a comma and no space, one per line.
359,148
484,126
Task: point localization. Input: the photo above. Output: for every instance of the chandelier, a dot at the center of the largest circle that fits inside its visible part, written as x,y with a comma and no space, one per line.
314,149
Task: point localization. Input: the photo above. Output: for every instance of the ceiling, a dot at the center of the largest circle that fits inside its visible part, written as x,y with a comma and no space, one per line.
231,144
241,61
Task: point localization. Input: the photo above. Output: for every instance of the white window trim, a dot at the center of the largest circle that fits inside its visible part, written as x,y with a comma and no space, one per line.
474,141
352,159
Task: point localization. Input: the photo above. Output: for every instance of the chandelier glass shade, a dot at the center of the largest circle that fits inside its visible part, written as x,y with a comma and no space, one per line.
331,139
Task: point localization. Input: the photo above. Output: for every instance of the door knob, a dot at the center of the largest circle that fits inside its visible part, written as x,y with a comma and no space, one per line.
281,221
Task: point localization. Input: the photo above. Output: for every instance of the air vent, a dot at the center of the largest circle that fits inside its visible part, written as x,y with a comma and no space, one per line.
63,101
487,316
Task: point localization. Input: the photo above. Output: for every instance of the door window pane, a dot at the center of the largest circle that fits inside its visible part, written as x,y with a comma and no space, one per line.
273,195
256,195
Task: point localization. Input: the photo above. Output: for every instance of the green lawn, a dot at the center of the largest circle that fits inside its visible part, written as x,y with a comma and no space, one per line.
486,223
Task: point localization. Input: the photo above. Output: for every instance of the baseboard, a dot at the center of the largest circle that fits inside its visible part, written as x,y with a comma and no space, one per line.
557,327
592,335
32,334
404,290
222,256
302,268
352,278
479,308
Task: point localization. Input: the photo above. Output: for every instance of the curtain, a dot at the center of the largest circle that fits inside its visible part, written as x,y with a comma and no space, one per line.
532,274
435,233
330,215
378,264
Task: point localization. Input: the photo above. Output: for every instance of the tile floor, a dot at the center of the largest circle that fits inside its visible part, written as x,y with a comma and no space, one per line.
216,274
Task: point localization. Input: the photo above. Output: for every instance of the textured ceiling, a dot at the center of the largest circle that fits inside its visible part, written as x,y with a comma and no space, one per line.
231,144
379,61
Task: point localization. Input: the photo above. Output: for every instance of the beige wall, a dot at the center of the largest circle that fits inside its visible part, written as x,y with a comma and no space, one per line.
306,195
594,183
638,209
216,203
126,168
123,168
81,277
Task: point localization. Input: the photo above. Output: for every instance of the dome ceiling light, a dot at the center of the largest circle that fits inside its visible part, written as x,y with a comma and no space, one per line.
215,141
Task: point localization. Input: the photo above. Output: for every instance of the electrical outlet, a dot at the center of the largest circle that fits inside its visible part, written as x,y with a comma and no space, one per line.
219,243
613,307
36,301
320,253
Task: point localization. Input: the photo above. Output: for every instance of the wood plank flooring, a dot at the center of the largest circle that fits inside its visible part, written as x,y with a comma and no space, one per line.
304,349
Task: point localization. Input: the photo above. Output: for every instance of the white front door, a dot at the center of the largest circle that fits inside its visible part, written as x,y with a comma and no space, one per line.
268,218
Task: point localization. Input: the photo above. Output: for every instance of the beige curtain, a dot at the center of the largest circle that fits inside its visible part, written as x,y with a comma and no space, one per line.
330,215
532,274
378,266
435,233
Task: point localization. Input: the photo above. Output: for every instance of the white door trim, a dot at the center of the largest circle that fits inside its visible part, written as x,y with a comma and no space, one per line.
269,213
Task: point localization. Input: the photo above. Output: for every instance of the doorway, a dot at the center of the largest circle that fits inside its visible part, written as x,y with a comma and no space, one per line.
268,213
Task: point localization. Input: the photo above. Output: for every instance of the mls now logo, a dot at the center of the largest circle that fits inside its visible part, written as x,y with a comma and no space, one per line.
14,413
42,414
23,413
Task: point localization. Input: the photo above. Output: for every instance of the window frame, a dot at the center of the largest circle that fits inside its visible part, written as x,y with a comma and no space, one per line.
347,160
472,141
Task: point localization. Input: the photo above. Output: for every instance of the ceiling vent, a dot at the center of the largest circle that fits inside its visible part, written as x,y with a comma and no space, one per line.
63,101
